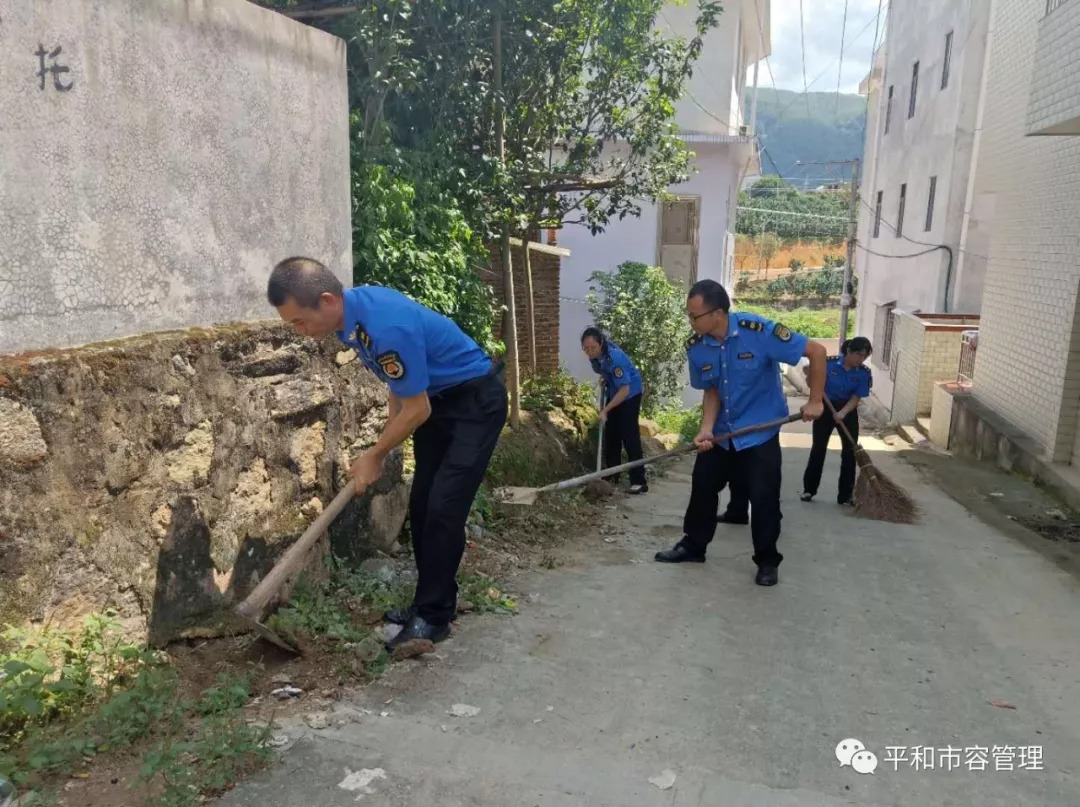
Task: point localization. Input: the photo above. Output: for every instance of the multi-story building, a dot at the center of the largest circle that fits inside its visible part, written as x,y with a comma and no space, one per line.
1024,227
692,237
924,89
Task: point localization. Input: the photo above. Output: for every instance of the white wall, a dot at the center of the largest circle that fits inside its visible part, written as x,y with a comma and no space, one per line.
713,102
711,106
1028,362
189,147
716,182
937,141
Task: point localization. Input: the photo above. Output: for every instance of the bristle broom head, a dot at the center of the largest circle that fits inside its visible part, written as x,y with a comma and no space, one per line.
879,498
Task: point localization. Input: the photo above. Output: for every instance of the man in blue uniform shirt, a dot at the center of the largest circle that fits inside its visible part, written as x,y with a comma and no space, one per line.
443,390
735,359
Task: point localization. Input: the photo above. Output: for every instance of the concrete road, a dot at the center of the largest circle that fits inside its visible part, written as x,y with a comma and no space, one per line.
621,668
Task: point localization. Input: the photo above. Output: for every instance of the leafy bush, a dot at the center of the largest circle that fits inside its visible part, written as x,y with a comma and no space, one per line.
796,264
823,324
683,422
639,308
743,283
412,236
559,390
833,261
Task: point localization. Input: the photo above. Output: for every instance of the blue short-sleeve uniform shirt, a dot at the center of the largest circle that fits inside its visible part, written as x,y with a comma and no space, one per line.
407,345
618,370
841,383
745,369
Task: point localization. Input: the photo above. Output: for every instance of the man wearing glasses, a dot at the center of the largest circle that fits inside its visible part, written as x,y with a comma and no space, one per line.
735,359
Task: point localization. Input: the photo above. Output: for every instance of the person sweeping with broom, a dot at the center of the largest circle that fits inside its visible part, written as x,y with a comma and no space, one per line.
847,381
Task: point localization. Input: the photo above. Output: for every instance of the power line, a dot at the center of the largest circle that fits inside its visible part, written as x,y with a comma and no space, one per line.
873,59
761,40
840,70
859,244
802,39
795,100
892,227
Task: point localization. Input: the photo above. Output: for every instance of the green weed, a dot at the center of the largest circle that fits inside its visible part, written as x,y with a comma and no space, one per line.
71,696
683,422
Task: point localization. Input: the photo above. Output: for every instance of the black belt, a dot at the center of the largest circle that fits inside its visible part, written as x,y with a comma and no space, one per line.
465,386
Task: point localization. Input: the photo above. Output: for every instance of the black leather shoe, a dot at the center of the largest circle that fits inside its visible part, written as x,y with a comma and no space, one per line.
727,518
767,576
399,616
679,554
419,628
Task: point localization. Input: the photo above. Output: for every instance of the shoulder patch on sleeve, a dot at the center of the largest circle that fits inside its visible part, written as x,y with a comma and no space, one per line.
782,332
391,364
751,325
618,372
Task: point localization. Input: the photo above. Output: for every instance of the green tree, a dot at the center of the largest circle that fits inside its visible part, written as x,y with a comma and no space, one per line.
768,246
643,312
410,234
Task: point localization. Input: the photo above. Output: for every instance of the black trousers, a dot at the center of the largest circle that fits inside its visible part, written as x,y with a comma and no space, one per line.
823,429
758,469
622,430
453,448
738,506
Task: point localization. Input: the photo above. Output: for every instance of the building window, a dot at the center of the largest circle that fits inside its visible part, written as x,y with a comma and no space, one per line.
883,334
900,211
930,204
948,61
877,215
888,110
914,90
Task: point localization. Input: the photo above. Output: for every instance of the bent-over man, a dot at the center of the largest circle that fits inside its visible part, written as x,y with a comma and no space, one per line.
443,390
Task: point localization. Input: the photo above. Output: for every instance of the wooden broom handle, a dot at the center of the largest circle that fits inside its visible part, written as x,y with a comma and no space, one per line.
253,605
840,423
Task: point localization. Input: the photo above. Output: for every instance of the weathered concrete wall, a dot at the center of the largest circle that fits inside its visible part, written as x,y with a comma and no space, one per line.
162,475
156,159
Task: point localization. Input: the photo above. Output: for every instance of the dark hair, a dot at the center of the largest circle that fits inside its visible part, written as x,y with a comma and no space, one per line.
860,344
595,333
712,293
303,279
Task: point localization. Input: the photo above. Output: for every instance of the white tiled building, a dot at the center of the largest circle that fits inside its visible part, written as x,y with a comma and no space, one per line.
1026,210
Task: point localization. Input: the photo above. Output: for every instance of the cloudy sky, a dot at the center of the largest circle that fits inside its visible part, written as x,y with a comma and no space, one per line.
823,22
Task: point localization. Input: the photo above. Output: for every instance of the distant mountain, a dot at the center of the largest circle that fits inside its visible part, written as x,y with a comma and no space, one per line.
789,132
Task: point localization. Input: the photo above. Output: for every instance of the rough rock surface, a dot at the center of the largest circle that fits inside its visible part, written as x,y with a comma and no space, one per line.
163,475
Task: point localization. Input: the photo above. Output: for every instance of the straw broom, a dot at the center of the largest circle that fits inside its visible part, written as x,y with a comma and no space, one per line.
876,496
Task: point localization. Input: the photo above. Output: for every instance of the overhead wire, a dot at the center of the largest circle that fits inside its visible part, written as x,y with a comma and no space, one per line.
840,70
802,40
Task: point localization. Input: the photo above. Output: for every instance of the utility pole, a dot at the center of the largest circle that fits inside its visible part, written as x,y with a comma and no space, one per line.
853,223
849,265
510,331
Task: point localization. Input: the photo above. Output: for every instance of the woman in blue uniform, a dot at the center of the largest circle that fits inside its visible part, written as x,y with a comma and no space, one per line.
847,381
622,384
